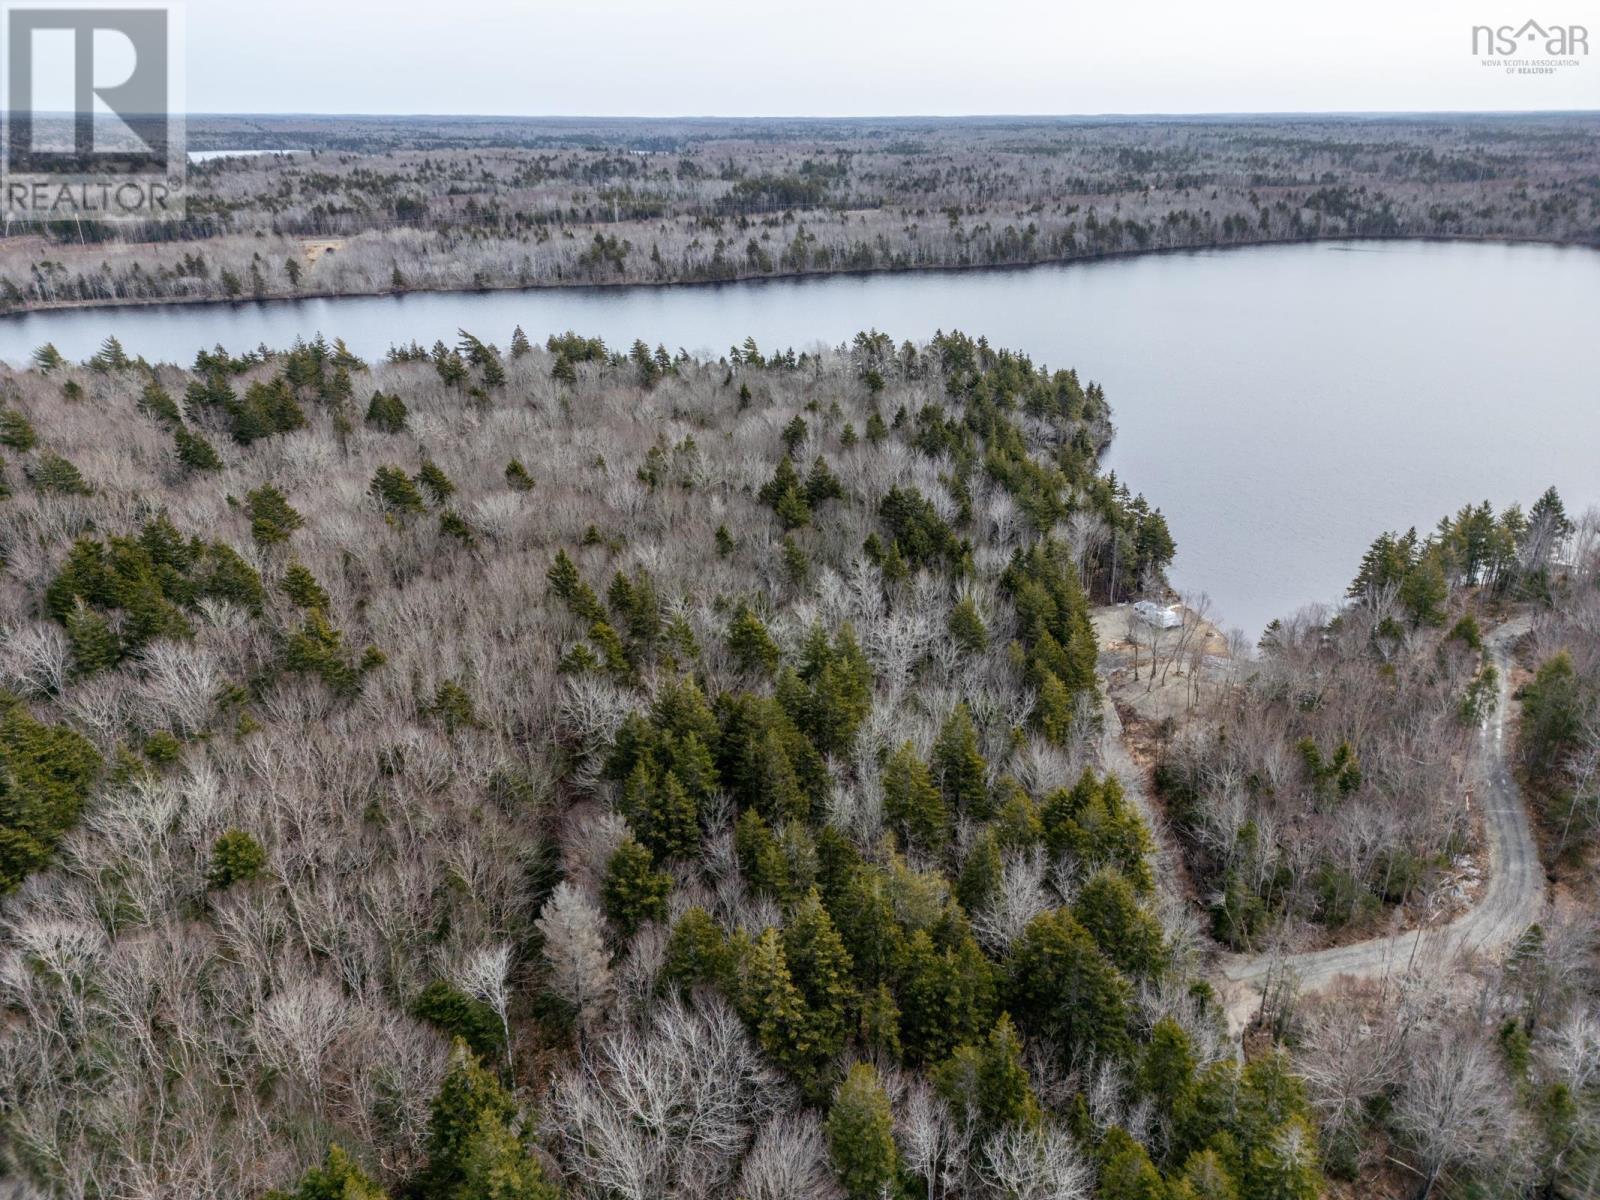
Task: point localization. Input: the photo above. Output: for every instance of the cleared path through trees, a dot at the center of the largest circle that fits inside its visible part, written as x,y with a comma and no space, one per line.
1512,900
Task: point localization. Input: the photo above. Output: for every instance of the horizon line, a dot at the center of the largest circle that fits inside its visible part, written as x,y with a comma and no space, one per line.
971,116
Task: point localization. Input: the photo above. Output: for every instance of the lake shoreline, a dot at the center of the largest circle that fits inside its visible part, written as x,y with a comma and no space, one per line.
193,302
1276,399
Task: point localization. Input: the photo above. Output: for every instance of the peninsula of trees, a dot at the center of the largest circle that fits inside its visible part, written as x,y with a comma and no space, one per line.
574,771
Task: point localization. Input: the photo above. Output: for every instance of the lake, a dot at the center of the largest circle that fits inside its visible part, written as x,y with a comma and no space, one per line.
1282,405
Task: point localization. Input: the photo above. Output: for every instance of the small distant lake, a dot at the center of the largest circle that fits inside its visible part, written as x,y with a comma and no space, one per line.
1281,404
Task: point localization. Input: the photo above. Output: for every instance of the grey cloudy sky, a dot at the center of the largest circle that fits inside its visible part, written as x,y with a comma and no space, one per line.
857,57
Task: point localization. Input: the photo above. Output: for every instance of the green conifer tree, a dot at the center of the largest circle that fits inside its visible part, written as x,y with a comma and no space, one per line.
750,643
392,488
435,482
386,412
911,802
95,645
194,452
821,969
517,477
272,518
776,1012
961,770
1128,935
1060,986
860,1132
698,953
302,588
633,891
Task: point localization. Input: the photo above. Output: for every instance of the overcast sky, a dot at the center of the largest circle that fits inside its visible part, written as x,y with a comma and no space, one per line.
865,57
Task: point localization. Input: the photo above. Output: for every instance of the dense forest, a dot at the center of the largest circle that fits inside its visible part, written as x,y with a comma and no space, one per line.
558,771
351,205
565,770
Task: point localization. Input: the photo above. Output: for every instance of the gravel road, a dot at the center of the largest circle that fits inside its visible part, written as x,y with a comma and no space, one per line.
1512,900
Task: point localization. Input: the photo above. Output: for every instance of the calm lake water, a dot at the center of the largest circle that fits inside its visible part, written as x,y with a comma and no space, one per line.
1282,405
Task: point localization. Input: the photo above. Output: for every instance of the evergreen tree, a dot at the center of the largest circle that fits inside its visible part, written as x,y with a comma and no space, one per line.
435,482
386,412
698,953
880,1021
776,1012
568,585
95,645
1166,1071
785,495
194,452
946,997
749,642
664,813
339,1178
863,911
52,473
821,969
1129,936
267,408
831,693
17,432
317,648
1285,1167
1126,1172
861,1136
1205,1178
987,1085
45,775
911,802
47,359
961,770
634,891
453,706
794,434
302,588
796,562
517,477
761,857
1552,712
1055,711
392,488
158,403
236,857
966,626
461,1016
272,518
981,874
821,484
497,1164
1062,987
1005,1096
1093,824
469,1095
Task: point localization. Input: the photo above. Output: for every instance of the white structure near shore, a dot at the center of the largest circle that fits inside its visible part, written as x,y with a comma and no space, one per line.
1161,616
